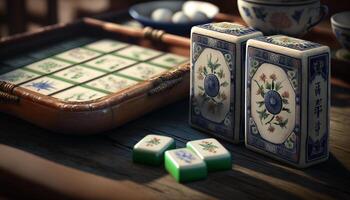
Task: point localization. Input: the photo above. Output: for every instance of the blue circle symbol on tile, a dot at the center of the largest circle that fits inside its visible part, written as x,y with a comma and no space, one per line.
211,85
273,102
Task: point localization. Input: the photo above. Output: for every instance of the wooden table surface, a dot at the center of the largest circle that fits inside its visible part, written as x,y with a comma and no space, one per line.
252,176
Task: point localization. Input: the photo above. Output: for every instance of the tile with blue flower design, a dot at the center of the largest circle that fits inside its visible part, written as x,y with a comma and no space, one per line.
142,71
46,85
78,74
169,60
106,45
112,83
18,76
79,94
110,63
78,55
48,65
138,53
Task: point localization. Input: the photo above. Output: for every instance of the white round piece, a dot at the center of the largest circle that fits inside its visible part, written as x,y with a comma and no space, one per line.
180,17
162,15
197,16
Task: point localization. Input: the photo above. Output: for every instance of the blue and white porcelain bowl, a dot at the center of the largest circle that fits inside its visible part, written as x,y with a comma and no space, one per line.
341,28
294,17
142,12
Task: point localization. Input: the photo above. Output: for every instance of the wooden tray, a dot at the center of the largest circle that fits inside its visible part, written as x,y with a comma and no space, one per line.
101,114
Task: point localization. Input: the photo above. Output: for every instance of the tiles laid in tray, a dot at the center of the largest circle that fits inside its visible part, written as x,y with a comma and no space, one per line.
78,74
106,45
138,53
48,65
46,85
168,60
110,63
18,76
78,55
79,94
112,83
142,71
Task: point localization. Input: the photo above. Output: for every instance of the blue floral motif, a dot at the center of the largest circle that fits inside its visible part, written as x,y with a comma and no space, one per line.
247,12
297,15
42,85
185,156
229,28
260,13
289,42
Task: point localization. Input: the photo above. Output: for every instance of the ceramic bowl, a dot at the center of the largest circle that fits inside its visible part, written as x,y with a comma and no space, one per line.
292,18
341,28
142,12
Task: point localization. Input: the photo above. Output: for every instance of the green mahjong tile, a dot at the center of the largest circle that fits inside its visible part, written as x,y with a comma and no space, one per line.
150,150
168,60
78,74
110,63
78,55
79,94
48,65
142,71
138,53
184,165
46,85
112,83
212,152
106,45
18,76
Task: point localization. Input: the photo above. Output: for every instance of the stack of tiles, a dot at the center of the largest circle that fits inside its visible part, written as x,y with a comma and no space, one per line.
217,78
287,99
212,152
150,150
184,165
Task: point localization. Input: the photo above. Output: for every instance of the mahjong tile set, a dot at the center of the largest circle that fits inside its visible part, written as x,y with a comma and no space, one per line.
273,92
91,71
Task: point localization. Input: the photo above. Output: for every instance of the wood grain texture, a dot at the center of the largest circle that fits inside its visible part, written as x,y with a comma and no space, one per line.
253,176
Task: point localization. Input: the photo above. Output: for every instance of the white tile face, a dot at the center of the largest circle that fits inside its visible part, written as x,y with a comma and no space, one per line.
185,158
112,83
208,148
106,45
154,143
46,85
48,65
110,63
78,74
169,60
18,76
79,94
138,53
142,71
78,55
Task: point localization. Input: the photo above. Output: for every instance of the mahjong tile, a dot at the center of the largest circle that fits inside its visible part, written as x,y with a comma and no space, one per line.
78,55
138,53
150,150
184,165
169,60
212,152
110,63
46,85
18,76
79,94
112,83
78,74
106,45
142,71
48,65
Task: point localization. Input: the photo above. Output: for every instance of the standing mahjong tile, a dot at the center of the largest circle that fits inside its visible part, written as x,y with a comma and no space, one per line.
48,65
150,150
78,74
138,53
212,152
78,55
142,71
184,165
110,63
18,76
112,83
46,85
79,94
106,45
169,60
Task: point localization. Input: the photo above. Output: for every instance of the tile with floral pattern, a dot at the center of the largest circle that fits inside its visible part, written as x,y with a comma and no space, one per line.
106,45
46,85
48,65
142,71
78,55
112,83
18,76
79,94
138,53
110,63
78,74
